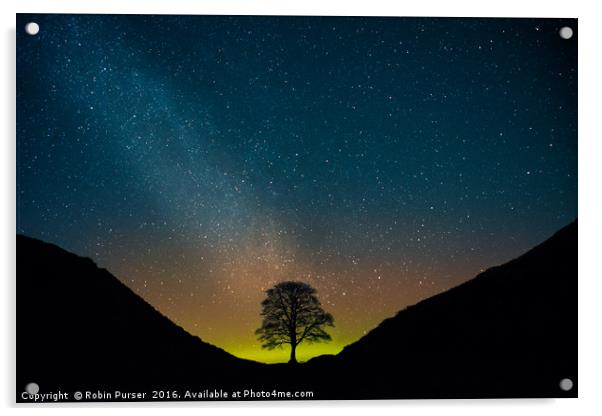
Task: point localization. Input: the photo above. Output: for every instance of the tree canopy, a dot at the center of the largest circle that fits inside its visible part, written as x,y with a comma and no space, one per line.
292,314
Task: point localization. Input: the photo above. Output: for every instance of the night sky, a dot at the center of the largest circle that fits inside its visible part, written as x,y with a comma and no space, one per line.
382,160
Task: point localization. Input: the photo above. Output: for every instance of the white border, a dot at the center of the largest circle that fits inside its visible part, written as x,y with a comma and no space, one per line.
590,209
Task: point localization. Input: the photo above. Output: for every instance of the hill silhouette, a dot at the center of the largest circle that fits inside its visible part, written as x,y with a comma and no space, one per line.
79,327
509,332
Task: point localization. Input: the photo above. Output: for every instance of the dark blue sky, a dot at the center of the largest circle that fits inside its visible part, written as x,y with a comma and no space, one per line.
201,159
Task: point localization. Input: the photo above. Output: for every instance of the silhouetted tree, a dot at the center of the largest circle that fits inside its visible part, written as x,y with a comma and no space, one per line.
292,314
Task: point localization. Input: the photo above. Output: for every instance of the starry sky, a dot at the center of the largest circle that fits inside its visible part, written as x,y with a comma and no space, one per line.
202,159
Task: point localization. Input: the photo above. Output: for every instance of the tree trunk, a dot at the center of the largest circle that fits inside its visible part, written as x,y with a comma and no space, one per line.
293,359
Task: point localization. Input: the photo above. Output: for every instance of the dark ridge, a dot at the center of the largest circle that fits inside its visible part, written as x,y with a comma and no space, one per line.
505,276
77,322
509,332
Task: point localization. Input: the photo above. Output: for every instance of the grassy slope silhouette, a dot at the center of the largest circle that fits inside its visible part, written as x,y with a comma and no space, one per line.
78,325
509,332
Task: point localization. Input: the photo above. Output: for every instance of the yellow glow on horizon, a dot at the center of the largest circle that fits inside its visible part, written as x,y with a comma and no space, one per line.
282,355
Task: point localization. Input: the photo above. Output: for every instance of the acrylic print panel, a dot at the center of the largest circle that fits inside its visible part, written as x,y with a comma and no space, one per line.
293,208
